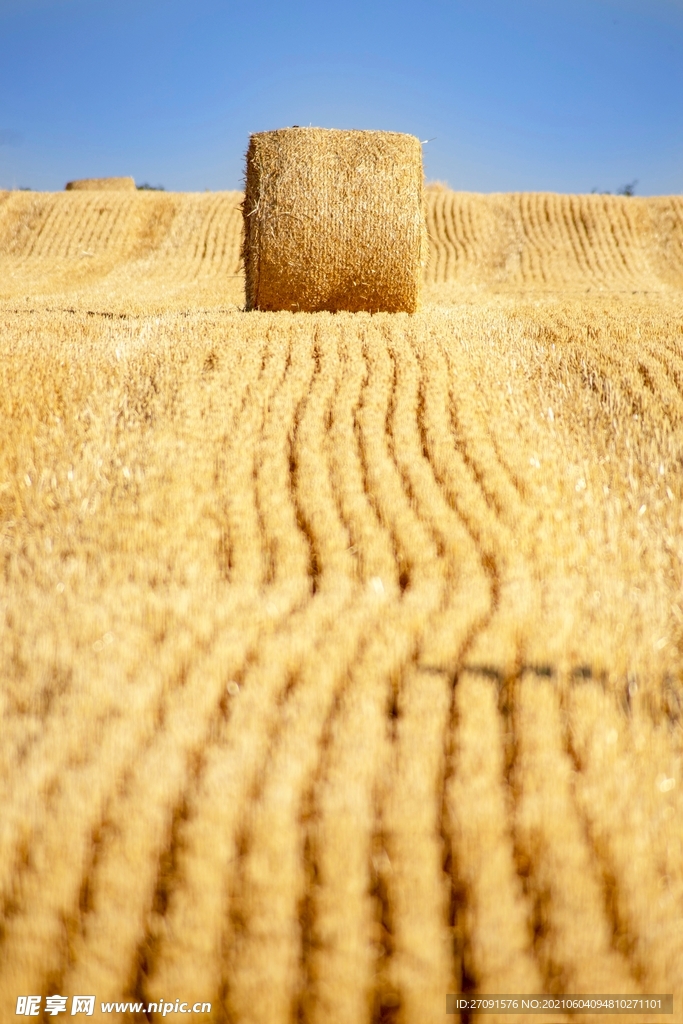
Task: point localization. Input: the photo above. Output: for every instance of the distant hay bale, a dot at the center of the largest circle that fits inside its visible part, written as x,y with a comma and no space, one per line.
99,184
334,220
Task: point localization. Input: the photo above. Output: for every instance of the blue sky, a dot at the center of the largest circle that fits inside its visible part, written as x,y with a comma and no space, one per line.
560,95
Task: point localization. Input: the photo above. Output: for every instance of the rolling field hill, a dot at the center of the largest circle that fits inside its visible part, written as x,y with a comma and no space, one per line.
342,655
141,251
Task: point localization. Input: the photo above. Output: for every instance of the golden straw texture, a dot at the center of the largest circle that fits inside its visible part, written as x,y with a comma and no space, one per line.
98,184
334,221
341,655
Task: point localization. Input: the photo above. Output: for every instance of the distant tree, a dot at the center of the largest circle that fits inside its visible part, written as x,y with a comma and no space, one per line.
625,190
150,188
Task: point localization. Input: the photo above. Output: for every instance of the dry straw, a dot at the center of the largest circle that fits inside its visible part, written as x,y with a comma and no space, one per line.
334,220
97,184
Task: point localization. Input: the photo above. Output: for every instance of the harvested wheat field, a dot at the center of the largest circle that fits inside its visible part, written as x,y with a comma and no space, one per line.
342,655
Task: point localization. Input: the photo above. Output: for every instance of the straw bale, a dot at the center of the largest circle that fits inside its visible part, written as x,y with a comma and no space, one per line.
98,184
334,220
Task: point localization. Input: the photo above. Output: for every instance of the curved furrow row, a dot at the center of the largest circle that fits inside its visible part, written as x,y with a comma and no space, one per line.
69,223
273,673
492,911
456,476
63,736
422,878
565,254
86,227
35,917
111,967
266,923
244,553
348,934
416,554
48,229
111,229
125,732
558,258
452,234
287,549
622,228
464,495
478,226
94,228
501,530
245,931
577,238
598,240
549,224
204,251
502,495
488,915
467,597
598,244
616,230
224,239
632,226
177,259
333,563
573,931
371,544
409,863
441,263
398,973
94,916
534,253
179,936
267,927
309,702
344,870
412,867
185,955
632,812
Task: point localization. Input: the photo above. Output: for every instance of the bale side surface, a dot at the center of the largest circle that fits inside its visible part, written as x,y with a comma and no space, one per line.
334,220
96,184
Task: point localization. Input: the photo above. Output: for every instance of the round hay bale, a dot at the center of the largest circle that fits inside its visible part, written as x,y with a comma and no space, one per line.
334,220
97,184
